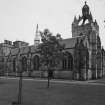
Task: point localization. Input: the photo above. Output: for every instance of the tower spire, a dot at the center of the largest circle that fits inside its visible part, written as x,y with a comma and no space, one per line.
36,40
36,29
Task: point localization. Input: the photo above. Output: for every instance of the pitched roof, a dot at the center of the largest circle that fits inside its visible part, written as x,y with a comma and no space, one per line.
24,50
33,49
70,42
14,51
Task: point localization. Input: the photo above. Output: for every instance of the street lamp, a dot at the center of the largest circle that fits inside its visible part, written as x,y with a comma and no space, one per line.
20,83
19,102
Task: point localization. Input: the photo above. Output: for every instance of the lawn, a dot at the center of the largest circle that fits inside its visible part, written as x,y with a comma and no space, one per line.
37,93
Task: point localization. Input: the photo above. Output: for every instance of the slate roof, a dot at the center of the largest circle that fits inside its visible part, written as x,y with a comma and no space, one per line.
70,42
14,51
33,49
23,50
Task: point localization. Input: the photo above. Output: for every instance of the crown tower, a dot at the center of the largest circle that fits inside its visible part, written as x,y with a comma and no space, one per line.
84,24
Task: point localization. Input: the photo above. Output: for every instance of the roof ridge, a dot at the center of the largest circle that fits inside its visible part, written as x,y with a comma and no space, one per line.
74,37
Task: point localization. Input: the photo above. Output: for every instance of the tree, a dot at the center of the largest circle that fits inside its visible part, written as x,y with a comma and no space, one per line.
50,50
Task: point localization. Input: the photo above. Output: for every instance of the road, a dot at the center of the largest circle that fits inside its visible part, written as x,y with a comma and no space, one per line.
89,82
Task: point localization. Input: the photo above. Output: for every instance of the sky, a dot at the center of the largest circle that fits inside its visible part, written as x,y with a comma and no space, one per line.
18,18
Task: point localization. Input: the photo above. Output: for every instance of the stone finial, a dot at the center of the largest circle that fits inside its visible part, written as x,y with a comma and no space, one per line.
95,21
85,2
75,19
91,17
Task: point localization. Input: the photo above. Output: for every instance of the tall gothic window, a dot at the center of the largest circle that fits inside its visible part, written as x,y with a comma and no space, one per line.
64,63
70,62
14,65
24,63
36,62
67,62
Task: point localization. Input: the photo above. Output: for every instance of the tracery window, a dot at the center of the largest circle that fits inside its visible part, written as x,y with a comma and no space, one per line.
36,62
67,62
70,62
14,65
24,63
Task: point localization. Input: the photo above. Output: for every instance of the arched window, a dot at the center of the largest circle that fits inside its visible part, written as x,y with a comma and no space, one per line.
67,62
64,63
24,63
36,62
70,62
14,65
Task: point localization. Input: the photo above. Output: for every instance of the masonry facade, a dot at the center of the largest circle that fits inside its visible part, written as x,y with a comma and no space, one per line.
84,53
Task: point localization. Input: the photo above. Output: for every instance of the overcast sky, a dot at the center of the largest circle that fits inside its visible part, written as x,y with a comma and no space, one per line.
18,18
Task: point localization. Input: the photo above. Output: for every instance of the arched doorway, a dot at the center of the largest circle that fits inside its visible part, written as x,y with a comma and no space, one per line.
36,62
24,63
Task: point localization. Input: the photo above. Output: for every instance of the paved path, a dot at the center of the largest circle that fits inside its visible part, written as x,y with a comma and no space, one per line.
90,82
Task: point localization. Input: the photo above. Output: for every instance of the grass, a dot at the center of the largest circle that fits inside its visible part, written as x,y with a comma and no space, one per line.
37,93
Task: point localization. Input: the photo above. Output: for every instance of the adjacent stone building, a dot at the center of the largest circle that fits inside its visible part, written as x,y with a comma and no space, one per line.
84,53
